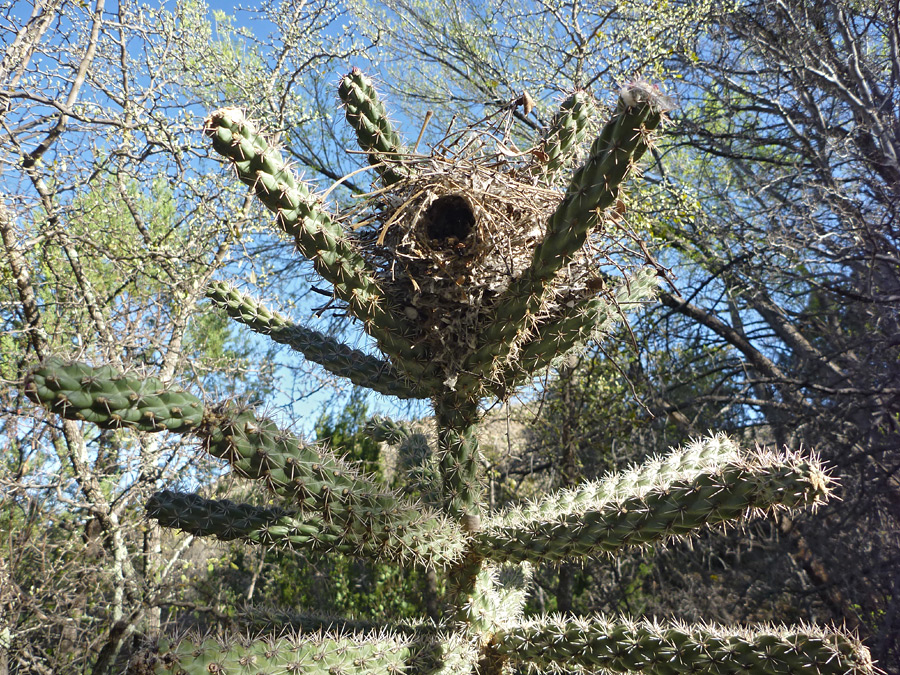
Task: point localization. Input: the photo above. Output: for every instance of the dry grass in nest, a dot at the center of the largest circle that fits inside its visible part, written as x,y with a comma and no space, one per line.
448,240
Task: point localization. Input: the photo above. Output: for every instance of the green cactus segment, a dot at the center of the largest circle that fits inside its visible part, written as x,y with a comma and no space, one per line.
498,597
459,463
385,430
414,453
584,322
321,654
431,542
414,459
386,652
757,483
684,463
565,133
601,644
705,454
256,448
317,236
316,481
431,651
223,519
337,358
366,114
458,458
593,188
111,400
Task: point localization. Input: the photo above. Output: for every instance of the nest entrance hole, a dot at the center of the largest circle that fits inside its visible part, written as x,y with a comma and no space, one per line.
448,220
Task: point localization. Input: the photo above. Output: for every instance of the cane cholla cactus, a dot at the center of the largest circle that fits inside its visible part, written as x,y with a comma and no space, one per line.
473,275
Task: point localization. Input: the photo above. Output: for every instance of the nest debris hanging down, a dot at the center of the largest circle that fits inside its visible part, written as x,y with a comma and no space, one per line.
446,241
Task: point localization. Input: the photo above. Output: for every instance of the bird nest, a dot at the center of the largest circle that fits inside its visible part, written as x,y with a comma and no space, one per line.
448,240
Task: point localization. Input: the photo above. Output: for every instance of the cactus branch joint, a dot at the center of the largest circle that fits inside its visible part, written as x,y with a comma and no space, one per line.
473,268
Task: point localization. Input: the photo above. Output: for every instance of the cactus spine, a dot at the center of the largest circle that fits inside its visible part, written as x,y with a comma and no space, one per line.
454,330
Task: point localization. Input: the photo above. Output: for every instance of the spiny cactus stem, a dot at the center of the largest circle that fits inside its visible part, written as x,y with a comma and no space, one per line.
112,400
386,430
583,321
368,117
622,646
427,539
754,484
308,475
358,367
317,235
565,133
456,418
462,583
385,652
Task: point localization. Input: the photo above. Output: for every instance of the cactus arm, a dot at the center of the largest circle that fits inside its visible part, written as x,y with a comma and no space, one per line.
110,399
757,483
386,652
593,188
317,236
319,654
322,486
337,358
603,644
311,476
701,455
368,117
430,540
308,475
585,321
564,135
223,519
498,597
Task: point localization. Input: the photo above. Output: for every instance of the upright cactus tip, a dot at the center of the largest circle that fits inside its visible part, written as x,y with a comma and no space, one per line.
374,132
